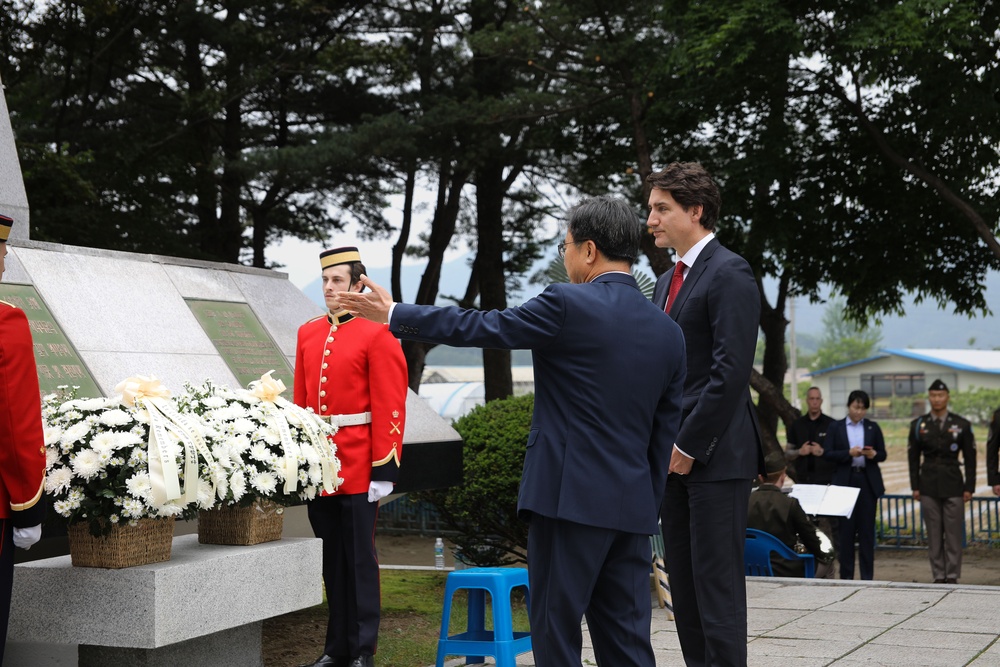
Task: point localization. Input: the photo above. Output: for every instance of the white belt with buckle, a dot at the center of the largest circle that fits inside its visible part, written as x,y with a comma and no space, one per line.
349,420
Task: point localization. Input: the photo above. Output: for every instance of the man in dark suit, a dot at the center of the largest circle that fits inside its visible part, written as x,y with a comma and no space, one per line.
713,296
856,445
609,373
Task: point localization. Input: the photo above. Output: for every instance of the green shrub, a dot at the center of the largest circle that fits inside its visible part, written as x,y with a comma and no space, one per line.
483,508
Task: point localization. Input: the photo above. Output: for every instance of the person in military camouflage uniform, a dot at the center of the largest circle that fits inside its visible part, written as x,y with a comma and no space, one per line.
940,437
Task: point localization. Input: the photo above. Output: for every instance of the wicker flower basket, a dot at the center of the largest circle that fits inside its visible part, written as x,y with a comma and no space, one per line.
261,522
148,541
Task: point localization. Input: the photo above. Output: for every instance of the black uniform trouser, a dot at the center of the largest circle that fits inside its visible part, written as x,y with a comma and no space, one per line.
6,577
346,524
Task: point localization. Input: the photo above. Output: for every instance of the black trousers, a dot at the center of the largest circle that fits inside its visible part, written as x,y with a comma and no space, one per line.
577,571
704,534
6,577
346,524
860,526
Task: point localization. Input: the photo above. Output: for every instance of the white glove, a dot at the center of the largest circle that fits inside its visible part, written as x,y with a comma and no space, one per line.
25,537
378,490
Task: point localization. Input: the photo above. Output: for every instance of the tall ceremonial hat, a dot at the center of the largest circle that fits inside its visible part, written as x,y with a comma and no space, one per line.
937,385
345,255
5,225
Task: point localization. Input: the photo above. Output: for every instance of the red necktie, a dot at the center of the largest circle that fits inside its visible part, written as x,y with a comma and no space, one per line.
676,281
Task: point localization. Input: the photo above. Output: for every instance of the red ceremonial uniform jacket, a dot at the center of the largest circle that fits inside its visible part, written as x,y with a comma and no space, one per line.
347,365
22,444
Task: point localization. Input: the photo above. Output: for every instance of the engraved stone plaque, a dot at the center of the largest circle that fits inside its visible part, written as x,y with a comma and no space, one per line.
57,360
242,341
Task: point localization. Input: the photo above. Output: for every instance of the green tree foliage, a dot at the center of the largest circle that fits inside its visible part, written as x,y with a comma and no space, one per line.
204,129
977,405
844,340
482,509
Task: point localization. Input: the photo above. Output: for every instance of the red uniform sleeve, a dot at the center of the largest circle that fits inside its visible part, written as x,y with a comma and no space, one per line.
22,444
388,381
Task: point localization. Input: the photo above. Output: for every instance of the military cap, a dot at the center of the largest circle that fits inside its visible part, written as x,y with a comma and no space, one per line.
345,255
937,385
774,462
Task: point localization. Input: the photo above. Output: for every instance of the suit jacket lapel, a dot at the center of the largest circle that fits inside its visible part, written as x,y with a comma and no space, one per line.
700,264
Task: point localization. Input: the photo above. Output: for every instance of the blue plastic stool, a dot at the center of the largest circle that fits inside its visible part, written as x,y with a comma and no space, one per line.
476,642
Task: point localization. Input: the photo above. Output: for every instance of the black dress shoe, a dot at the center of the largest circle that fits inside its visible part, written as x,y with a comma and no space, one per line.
939,581
362,661
326,661
951,580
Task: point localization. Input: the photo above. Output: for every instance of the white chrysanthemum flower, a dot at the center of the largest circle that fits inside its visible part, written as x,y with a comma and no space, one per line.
222,486
309,453
127,439
116,418
260,453
75,433
238,484
206,495
139,486
316,474
51,458
93,404
270,436
264,482
63,507
138,458
86,463
237,445
114,518
133,508
52,435
243,425
229,413
58,479
170,509
141,416
104,442
213,402
69,406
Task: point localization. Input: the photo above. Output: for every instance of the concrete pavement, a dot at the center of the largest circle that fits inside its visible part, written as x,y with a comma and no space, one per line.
806,623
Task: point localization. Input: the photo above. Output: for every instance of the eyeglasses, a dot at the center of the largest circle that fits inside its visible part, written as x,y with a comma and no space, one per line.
562,246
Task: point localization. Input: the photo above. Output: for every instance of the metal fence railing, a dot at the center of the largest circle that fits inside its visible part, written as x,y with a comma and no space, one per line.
898,523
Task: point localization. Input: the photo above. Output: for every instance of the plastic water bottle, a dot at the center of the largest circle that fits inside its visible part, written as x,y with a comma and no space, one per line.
439,554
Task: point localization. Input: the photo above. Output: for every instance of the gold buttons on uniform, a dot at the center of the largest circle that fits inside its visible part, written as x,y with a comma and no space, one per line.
330,339
322,408
323,379
322,394
325,365
326,353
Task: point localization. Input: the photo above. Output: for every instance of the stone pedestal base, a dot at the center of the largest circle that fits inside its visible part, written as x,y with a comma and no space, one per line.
205,606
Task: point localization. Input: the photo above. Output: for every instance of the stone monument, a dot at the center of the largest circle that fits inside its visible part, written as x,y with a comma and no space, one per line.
100,316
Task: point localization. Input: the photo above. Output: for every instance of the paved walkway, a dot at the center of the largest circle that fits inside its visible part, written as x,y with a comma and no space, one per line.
798,623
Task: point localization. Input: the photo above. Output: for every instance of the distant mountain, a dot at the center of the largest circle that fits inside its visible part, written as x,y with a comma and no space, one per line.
923,326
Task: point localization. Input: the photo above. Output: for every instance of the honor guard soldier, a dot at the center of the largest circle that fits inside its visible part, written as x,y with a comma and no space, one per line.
22,445
352,371
940,437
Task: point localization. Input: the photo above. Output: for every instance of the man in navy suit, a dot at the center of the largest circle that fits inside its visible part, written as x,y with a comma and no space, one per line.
609,373
856,445
713,296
